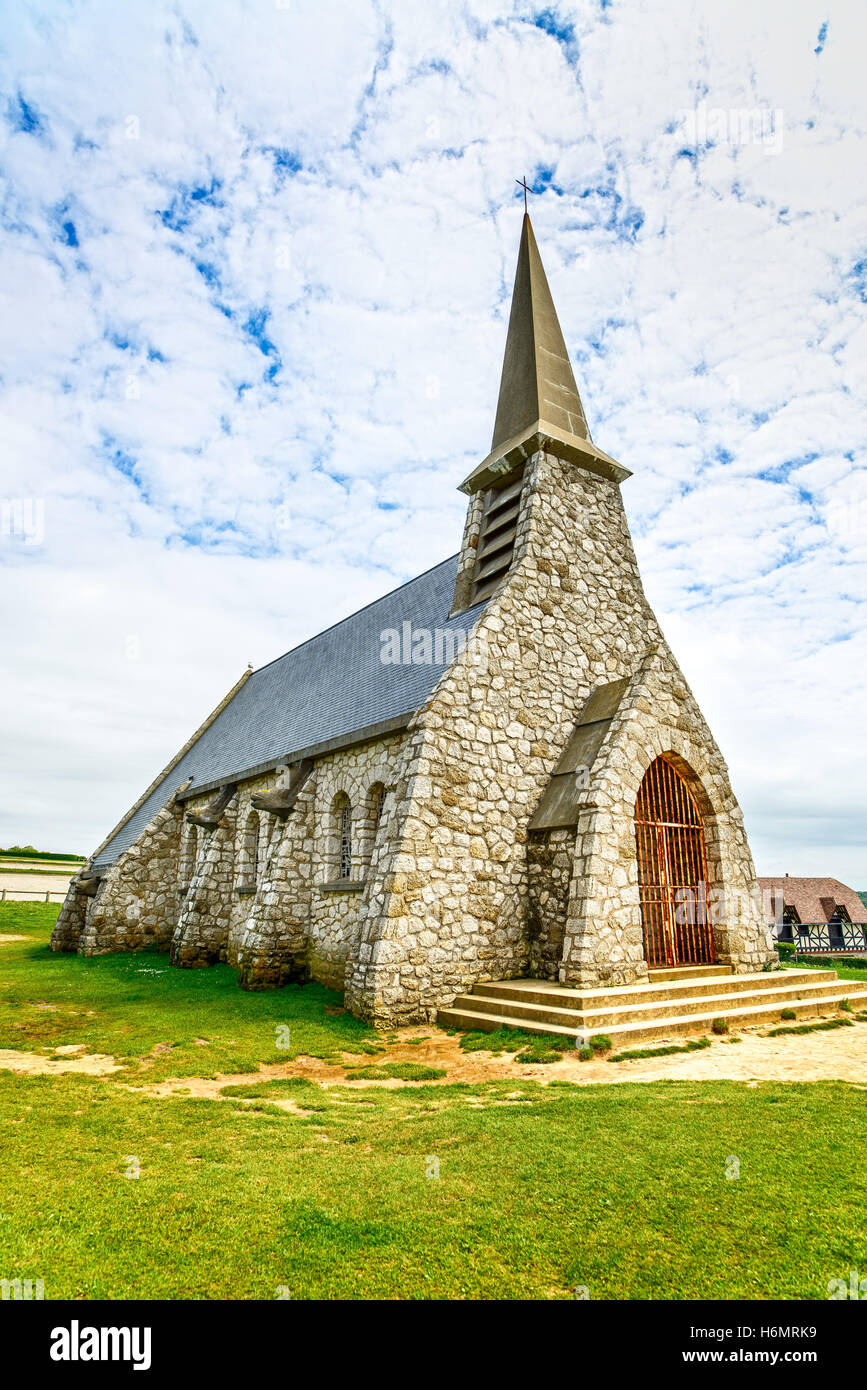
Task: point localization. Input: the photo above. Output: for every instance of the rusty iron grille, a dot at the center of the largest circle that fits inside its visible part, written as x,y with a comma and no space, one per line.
672,870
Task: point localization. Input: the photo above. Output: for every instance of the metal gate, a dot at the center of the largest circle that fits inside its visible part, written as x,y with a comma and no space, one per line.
672,870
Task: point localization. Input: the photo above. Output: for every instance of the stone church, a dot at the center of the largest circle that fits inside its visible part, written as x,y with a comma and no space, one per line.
495,772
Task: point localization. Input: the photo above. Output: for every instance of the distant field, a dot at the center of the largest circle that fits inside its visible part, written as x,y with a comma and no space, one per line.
25,871
26,874
17,866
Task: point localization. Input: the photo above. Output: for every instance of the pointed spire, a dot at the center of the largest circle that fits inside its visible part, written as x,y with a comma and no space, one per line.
537,385
539,405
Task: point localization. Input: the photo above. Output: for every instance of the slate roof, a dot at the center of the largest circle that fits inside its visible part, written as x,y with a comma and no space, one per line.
332,685
814,899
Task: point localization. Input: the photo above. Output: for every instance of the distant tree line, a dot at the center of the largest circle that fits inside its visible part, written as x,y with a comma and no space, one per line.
28,852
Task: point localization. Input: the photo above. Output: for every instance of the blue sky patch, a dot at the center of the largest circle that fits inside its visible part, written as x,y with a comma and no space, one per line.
285,161
550,23
858,277
181,210
125,463
256,329
209,273
23,116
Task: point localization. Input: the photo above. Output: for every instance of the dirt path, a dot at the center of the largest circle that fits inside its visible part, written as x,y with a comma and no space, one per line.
833,1056
69,1058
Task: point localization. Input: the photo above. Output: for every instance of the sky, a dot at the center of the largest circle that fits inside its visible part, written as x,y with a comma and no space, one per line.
255,277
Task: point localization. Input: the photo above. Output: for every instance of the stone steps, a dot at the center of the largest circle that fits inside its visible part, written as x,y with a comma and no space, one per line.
594,1019
536,1006
556,996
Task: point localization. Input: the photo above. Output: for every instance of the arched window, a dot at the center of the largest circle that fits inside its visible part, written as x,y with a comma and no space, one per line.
376,802
250,852
344,828
341,851
672,870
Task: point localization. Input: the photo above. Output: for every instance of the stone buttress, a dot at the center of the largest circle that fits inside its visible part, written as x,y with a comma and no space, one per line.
201,935
273,937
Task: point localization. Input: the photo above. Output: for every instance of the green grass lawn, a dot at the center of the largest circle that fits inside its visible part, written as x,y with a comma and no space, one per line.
844,972
128,1005
621,1188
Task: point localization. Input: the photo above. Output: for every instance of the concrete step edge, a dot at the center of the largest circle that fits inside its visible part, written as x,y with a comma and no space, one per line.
490,1022
762,980
713,1004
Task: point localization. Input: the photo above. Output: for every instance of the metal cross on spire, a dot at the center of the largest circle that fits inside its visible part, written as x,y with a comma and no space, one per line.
526,187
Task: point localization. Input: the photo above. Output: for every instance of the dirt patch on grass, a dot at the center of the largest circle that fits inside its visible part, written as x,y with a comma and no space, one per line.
67,1058
199,1087
209,1088
11,936
751,1058
837,1056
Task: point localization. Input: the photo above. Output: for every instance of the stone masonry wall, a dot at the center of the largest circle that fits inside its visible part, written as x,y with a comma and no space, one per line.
269,844
201,936
134,908
288,923
449,905
550,861
604,939
270,943
337,914
72,917
304,921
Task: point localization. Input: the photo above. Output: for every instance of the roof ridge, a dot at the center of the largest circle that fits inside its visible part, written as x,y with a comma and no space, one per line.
801,878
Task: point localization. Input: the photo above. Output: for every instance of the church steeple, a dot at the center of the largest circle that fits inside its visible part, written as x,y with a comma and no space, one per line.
539,413
537,387
539,406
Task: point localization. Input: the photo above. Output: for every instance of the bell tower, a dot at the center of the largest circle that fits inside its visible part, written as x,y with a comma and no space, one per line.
538,408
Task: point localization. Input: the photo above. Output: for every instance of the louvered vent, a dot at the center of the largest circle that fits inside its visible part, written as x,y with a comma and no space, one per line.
497,535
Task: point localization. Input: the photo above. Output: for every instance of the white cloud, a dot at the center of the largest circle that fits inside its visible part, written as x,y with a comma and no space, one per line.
255,282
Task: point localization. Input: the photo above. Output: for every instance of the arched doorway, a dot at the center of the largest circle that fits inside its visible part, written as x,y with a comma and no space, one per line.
672,870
